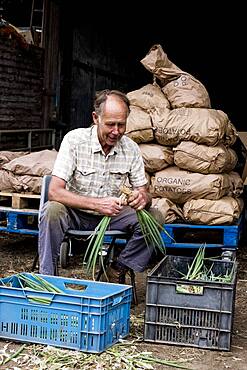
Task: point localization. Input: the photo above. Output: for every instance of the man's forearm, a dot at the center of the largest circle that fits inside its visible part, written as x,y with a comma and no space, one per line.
108,206
73,200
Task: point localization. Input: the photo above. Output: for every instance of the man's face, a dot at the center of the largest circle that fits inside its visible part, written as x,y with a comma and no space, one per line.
111,123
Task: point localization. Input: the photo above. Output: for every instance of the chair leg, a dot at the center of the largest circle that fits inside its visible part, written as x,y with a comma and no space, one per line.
56,270
133,283
35,260
106,259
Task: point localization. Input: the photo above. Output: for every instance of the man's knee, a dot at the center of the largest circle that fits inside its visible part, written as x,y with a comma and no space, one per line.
54,211
134,224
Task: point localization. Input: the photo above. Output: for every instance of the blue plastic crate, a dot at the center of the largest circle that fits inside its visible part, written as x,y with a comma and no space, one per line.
88,316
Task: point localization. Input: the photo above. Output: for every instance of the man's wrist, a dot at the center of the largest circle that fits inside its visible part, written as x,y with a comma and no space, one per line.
149,201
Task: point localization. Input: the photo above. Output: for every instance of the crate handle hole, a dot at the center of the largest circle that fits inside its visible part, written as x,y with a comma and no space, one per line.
73,286
117,300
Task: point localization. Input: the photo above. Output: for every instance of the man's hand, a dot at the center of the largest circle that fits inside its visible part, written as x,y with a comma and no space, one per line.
139,198
110,206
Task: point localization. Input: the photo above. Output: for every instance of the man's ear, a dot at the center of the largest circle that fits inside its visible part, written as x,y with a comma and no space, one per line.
95,118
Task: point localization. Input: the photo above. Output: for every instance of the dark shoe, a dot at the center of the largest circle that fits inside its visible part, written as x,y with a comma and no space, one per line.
113,275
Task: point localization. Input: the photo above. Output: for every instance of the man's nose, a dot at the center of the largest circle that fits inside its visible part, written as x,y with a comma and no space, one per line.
115,129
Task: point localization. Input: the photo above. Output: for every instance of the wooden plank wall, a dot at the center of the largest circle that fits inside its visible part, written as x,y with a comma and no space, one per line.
21,83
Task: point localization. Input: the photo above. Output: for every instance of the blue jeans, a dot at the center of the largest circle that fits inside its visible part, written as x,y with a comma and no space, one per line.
56,219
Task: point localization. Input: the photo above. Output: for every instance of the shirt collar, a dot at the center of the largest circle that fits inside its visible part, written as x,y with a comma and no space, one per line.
96,146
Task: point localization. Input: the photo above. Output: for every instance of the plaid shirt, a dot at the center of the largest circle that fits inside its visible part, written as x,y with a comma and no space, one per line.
82,163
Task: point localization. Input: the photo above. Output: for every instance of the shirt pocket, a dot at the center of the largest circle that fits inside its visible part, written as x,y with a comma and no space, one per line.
85,179
117,179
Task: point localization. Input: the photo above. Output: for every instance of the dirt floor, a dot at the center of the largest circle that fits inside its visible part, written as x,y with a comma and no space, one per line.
16,255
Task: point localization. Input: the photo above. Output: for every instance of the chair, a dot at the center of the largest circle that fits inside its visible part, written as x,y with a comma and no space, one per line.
112,237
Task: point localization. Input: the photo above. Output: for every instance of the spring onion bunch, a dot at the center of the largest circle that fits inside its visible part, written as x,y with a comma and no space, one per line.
199,271
150,227
94,248
195,270
38,284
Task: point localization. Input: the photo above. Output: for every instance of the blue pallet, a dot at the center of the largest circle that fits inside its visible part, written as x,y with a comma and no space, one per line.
87,316
225,236
218,236
19,221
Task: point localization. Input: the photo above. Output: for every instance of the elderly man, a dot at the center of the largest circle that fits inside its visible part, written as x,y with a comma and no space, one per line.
91,165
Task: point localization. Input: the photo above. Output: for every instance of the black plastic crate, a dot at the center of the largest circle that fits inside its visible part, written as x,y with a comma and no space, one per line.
200,318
